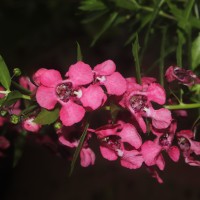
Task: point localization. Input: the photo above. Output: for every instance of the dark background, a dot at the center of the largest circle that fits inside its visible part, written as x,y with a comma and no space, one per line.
38,33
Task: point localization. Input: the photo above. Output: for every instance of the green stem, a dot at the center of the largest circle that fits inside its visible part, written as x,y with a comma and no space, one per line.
26,97
161,13
182,106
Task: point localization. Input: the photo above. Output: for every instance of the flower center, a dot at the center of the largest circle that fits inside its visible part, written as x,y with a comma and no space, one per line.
183,144
112,142
183,75
138,102
64,91
163,141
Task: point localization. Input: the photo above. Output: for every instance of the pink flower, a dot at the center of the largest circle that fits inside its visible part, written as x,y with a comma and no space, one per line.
29,125
4,143
104,74
67,137
138,100
189,146
70,93
152,150
120,140
25,82
185,77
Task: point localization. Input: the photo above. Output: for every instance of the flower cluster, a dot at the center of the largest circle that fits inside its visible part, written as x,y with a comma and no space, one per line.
138,127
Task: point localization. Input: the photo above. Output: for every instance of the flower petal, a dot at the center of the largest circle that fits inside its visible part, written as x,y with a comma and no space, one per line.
160,118
71,113
115,84
37,76
67,143
160,162
106,68
87,157
156,93
46,97
93,96
150,151
174,153
132,159
80,73
108,154
130,135
50,78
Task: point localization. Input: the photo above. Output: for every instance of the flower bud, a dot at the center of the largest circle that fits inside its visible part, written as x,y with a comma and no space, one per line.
58,125
17,72
14,119
3,113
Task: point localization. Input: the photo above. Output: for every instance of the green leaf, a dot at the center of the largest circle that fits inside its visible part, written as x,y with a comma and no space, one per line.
47,116
127,4
145,20
78,149
196,53
179,50
79,54
12,98
92,5
5,78
106,26
135,50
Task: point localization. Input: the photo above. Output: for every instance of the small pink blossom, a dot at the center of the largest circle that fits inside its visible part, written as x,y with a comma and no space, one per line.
25,82
138,100
185,77
189,146
29,125
120,140
67,138
104,74
4,143
70,93
151,150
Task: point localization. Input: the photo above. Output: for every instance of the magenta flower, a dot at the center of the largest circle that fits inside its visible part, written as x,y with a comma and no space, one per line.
25,82
104,74
152,150
4,143
67,138
185,77
189,146
138,100
29,125
70,93
120,140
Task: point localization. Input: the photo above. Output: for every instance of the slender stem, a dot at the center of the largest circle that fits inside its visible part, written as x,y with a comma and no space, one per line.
5,92
26,97
182,106
161,13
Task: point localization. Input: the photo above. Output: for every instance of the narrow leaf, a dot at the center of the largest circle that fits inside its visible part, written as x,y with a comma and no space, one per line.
196,53
12,98
78,149
135,50
106,26
79,53
5,78
179,50
47,116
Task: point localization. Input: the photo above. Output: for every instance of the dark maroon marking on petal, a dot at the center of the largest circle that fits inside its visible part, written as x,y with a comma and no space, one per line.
64,91
184,144
112,142
138,102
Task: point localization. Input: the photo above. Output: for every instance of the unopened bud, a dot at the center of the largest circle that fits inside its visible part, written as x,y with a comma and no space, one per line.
17,72
58,125
3,113
14,119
